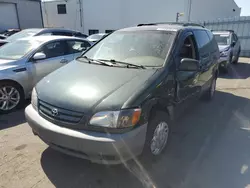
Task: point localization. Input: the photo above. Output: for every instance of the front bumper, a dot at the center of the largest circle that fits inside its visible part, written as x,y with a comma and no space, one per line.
223,59
223,62
97,147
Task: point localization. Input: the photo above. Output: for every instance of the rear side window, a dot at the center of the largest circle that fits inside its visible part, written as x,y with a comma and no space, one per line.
77,46
201,38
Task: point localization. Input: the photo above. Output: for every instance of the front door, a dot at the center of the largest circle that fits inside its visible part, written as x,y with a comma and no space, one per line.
55,58
187,81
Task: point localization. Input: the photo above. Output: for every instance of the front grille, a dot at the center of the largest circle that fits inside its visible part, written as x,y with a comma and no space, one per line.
59,114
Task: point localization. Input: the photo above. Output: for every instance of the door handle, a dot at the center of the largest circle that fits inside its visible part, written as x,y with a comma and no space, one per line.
64,61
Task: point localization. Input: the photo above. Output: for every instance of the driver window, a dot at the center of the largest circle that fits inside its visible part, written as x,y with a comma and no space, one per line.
188,49
54,49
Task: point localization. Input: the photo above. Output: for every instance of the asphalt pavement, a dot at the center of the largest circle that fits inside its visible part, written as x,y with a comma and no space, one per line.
210,148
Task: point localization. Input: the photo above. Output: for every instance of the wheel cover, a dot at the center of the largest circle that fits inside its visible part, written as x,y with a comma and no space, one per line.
9,98
160,138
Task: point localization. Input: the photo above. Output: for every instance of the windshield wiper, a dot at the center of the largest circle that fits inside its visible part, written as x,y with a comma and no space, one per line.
95,60
124,63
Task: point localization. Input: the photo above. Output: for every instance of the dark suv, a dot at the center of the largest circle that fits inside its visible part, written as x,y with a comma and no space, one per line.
118,99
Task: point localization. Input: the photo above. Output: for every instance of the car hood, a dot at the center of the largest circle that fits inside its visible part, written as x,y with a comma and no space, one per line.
223,47
6,64
87,87
6,61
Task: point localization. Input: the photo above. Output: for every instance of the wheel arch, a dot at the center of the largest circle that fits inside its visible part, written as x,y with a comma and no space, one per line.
14,82
155,105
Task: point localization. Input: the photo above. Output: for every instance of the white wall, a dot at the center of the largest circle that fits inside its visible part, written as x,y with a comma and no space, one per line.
70,20
20,14
115,14
8,10
30,14
213,9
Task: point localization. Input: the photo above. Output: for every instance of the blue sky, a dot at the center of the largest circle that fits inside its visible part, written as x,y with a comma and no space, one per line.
245,7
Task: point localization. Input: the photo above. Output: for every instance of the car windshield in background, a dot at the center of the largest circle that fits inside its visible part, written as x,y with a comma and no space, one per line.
23,34
144,48
18,49
222,39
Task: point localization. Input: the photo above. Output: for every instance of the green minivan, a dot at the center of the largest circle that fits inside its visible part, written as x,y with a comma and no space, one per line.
119,98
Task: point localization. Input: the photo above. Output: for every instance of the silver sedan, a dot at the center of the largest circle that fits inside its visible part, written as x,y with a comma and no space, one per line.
25,62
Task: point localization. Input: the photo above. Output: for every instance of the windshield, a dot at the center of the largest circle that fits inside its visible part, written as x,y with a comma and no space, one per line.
18,49
23,34
95,37
222,39
145,48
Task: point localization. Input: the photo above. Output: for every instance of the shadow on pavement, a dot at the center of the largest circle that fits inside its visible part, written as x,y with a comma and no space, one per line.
13,119
238,71
210,148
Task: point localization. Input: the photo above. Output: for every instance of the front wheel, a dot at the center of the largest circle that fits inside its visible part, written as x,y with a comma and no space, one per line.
158,135
237,59
11,97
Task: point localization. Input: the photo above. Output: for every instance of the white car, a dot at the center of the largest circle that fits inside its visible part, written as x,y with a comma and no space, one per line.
26,61
96,37
229,46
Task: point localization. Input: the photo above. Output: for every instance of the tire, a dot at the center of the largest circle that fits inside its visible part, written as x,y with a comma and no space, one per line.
237,59
209,94
225,69
11,97
158,120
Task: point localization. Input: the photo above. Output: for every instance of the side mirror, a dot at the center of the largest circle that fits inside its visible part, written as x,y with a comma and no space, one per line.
189,65
233,43
39,56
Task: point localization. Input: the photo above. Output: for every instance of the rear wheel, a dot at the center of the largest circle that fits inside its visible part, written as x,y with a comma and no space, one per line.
209,94
11,97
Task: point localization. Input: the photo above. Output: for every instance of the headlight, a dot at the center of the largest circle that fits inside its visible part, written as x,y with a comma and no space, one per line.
225,52
34,100
116,119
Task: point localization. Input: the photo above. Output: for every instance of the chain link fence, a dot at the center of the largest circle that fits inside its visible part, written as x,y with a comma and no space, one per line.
240,25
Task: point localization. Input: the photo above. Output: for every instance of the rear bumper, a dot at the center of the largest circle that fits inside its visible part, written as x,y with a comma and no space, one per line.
97,147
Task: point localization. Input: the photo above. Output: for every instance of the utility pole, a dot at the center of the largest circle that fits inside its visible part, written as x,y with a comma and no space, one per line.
81,17
189,9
